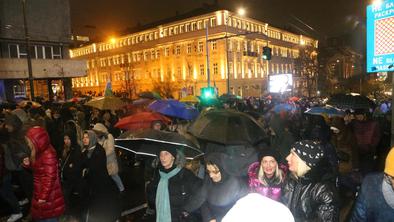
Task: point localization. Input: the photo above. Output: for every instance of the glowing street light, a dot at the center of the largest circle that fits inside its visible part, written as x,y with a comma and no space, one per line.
113,40
241,11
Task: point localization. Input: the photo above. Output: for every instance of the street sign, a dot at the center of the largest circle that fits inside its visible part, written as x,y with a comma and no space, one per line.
380,37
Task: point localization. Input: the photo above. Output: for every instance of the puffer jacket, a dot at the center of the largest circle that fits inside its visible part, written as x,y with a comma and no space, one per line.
310,198
45,177
272,191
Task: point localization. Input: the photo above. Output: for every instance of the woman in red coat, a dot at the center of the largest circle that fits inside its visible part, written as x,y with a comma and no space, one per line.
47,202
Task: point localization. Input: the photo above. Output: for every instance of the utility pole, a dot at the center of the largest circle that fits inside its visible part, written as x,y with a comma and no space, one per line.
228,68
28,55
207,49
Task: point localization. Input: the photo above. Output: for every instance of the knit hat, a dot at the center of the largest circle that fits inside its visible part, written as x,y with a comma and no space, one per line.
389,167
308,151
99,128
169,148
269,152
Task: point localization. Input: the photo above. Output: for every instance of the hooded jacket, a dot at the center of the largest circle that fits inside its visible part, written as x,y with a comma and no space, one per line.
312,197
217,198
107,141
45,177
71,165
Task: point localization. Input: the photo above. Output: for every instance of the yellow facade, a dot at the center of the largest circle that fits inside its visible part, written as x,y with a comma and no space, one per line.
175,54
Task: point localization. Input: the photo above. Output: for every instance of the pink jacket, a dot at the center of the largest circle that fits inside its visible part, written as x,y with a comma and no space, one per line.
273,192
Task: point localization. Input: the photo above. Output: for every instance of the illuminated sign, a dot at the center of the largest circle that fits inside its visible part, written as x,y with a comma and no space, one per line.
380,37
280,83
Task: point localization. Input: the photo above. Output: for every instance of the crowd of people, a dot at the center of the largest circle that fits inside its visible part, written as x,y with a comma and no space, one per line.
313,167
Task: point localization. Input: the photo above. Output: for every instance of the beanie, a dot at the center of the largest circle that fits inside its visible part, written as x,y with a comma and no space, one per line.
169,148
269,152
309,151
389,166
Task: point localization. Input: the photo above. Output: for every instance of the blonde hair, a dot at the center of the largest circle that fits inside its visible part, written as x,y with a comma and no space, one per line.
278,177
302,168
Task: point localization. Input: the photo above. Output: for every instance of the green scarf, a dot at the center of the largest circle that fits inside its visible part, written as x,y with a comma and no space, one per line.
163,208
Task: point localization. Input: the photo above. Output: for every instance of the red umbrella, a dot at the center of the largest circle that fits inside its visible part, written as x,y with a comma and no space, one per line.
142,120
294,98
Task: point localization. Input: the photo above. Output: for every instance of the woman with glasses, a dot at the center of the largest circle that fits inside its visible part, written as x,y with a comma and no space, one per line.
375,201
219,192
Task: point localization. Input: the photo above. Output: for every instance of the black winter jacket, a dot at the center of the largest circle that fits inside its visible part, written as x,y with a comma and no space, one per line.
310,198
180,187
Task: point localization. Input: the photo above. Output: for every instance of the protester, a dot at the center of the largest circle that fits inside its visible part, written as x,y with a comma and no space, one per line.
102,193
47,202
219,192
107,141
375,201
306,194
281,137
172,185
71,174
266,177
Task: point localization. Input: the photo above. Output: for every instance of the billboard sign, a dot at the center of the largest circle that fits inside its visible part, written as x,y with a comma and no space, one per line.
280,83
380,37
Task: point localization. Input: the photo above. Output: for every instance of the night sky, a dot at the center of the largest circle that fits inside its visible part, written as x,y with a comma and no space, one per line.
324,17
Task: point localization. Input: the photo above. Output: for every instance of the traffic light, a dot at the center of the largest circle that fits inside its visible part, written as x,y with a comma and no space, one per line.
267,53
207,93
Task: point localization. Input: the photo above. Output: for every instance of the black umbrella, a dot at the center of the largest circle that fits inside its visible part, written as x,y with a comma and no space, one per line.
149,142
149,95
227,127
349,101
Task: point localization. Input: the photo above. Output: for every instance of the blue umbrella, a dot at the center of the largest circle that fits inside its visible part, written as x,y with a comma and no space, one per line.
328,110
174,108
284,107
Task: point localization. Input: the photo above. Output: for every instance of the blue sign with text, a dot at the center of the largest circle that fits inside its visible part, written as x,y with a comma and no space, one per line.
380,37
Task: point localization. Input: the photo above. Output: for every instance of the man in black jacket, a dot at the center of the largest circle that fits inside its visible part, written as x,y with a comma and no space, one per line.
308,195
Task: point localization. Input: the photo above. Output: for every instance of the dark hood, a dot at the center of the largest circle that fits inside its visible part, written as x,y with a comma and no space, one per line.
73,137
220,160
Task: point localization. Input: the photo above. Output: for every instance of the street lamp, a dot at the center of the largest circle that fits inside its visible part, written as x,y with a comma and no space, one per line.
241,12
28,55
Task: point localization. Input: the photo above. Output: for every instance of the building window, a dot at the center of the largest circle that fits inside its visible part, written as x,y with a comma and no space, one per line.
194,26
187,27
152,54
179,73
213,22
215,69
189,48
202,69
166,51
199,25
230,68
13,51
200,46
178,50
214,45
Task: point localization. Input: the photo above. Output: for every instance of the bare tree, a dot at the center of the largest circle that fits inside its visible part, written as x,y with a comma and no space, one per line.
306,68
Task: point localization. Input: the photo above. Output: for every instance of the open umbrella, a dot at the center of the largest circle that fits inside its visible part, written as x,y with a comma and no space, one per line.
33,104
142,120
227,127
328,110
349,101
229,98
106,102
284,107
149,95
174,108
189,99
149,142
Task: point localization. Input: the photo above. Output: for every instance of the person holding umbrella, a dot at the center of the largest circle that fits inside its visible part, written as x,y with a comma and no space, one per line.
267,176
172,185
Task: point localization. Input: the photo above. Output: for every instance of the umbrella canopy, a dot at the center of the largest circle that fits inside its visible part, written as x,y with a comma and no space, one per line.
106,102
149,95
33,104
284,107
142,120
190,99
328,110
149,142
174,108
349,101
294,98
227,127
229,98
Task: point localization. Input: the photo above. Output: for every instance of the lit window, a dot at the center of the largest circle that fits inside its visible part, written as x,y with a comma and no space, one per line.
178,50
166,51
189,48
200,46
214,45
215,69
202,69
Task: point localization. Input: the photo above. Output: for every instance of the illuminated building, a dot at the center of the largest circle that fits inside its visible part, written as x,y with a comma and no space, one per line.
175,53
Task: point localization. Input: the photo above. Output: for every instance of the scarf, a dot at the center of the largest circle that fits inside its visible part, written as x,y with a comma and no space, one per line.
163,207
